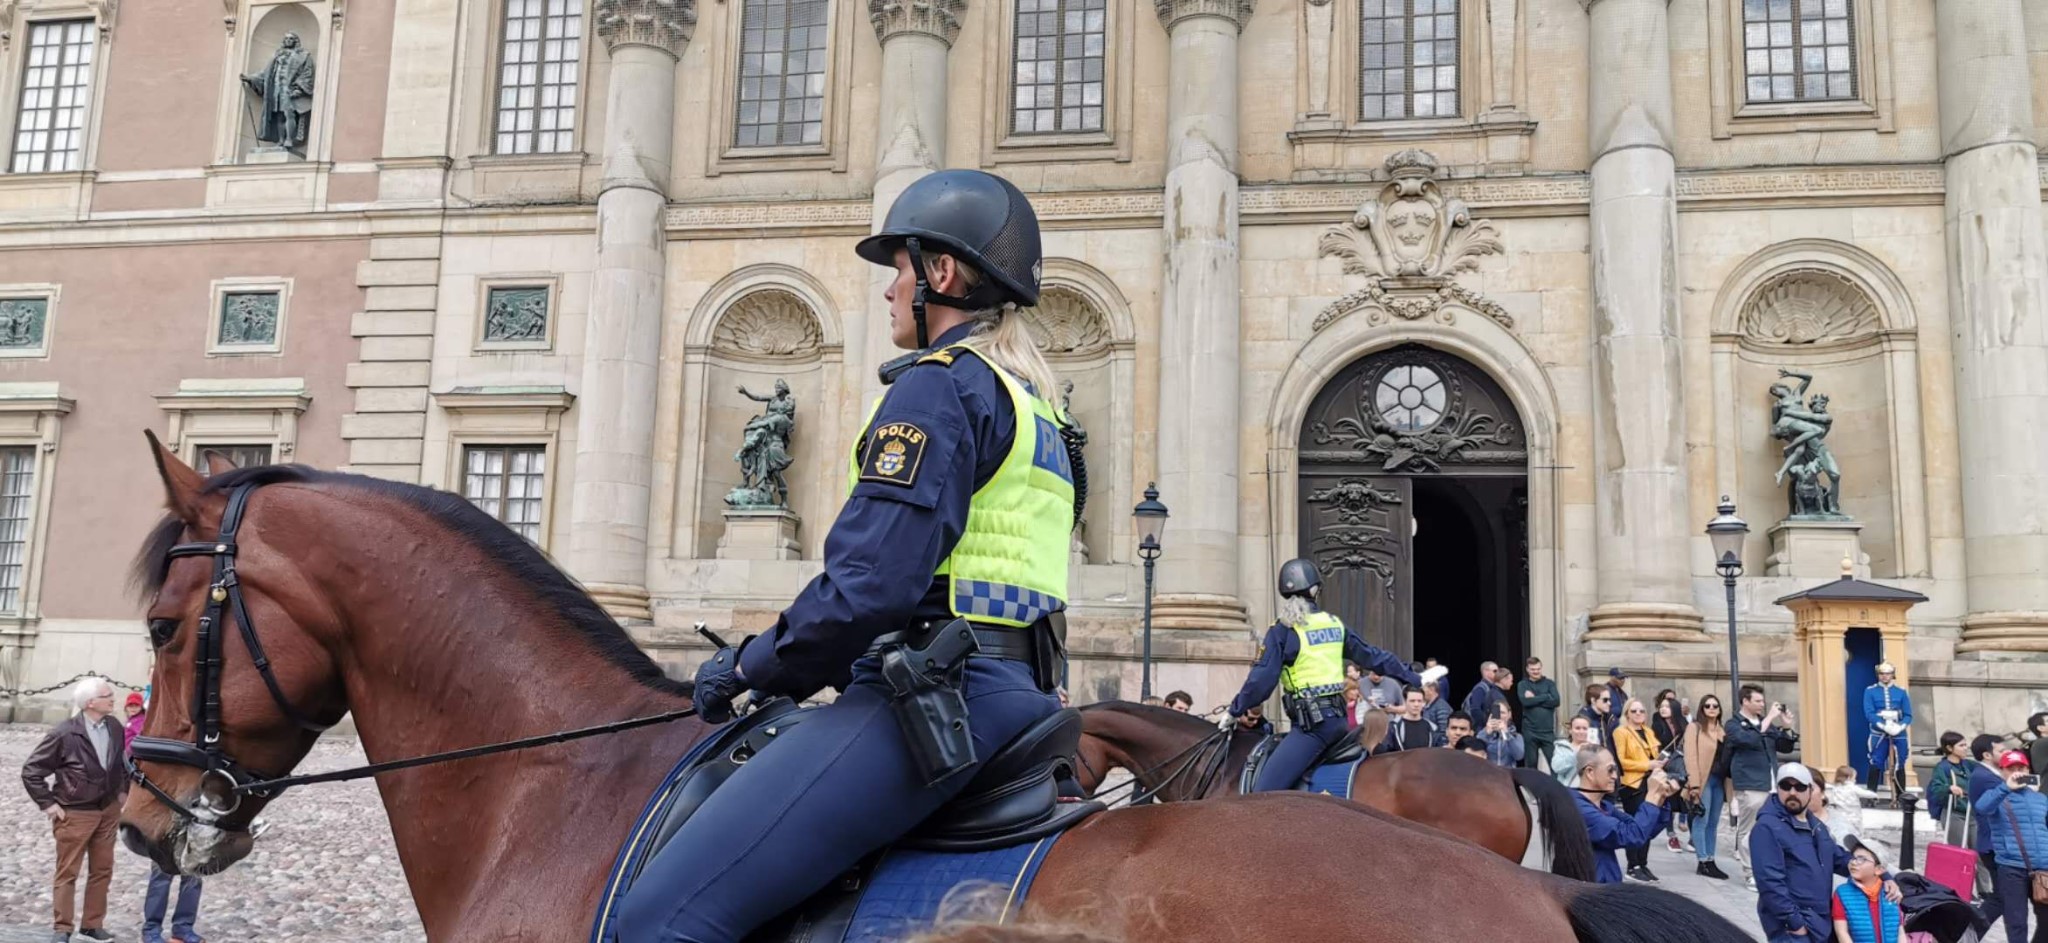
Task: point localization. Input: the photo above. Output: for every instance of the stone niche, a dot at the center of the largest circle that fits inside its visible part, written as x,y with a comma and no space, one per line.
272,23
1825,311
764,334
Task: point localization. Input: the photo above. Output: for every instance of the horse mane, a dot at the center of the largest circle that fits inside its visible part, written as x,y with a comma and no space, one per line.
1153,712
522,562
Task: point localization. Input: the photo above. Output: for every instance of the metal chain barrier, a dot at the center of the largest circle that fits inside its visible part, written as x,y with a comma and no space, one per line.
11,693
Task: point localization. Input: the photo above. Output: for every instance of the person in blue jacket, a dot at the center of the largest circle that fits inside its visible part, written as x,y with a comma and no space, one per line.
1888,709
1794,857
1611,829
1983,779
959,518
2015,817
1305,650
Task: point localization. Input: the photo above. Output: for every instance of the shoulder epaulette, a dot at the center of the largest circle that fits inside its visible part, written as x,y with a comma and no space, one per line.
944,355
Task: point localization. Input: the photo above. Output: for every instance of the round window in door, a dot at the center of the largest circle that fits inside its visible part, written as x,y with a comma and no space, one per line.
1410,398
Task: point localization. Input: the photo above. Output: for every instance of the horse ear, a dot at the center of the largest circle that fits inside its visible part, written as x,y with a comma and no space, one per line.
183,485
217,463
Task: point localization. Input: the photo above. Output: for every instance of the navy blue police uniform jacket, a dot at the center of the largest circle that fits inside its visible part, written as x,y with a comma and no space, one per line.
1278,651
900,521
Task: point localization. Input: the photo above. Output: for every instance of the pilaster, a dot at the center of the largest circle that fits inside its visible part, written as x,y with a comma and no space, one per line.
1641,523
1998,299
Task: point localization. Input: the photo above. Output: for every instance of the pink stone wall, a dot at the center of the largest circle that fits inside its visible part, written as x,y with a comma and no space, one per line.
163,83
365,80
130,324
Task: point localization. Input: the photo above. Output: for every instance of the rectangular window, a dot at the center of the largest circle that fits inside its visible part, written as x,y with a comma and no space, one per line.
1408,59
56,87
241,456
1060,52
506,482
782,73
17,508
537,76
1798,50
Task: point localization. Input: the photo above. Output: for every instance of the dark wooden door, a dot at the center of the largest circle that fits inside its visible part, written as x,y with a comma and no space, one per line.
1407,414
1358,533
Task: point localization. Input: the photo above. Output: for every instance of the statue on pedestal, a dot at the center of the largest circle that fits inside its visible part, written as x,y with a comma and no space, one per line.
285,92
1803,425
764,452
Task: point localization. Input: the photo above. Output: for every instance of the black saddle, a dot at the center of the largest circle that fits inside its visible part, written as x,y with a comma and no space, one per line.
1013,798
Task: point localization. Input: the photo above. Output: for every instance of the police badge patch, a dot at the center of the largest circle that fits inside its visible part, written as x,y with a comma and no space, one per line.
894,451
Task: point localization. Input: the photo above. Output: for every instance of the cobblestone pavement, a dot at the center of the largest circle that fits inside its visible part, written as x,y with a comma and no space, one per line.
326,869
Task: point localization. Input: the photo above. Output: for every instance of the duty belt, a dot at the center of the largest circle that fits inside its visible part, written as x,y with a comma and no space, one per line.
1006,644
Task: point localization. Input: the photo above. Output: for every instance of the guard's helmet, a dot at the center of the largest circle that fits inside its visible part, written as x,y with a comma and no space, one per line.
976,217
1298,577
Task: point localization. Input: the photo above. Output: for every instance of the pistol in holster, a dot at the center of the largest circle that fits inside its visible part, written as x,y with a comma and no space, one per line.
924,684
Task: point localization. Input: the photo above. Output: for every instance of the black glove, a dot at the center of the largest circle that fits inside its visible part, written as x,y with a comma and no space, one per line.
718,683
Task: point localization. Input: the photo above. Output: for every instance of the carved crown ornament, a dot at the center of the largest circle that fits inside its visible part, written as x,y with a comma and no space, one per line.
666,24
1408,241
1809,307
939,18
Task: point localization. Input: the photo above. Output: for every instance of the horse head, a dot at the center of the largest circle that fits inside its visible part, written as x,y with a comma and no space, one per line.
219,710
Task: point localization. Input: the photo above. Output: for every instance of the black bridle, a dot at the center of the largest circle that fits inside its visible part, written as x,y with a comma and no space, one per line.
205,752
223,602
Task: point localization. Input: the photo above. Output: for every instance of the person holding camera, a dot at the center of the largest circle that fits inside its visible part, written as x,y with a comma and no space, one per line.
1636,746
1749,750
1504,746
1795,859
2015,817
1610,827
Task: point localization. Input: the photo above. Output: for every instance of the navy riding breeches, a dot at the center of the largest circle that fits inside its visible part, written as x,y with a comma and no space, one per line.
1298,751
809,806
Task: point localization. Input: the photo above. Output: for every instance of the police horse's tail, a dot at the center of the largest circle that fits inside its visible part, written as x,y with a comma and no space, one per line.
1639,913
1571,851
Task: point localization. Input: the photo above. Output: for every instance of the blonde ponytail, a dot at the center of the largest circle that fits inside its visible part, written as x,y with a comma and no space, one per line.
1000,335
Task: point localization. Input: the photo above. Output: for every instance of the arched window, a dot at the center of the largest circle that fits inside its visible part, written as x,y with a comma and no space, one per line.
1408,59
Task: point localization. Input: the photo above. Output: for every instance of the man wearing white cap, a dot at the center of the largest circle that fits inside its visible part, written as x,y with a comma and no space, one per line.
1794,858
1888,709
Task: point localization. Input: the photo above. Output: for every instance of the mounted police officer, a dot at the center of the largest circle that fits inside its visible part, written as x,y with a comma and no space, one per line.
1888,709
1304,652
960,513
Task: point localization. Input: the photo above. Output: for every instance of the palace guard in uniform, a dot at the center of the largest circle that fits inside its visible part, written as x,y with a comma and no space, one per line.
961,508
1304,652
1888,709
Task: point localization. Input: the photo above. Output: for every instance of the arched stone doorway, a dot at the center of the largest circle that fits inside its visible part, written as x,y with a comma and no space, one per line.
1414,504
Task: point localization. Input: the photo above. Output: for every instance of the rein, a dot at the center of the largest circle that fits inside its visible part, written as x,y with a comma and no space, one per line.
224,603
1186,758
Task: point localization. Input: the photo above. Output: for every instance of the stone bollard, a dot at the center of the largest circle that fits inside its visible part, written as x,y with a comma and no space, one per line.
1910,804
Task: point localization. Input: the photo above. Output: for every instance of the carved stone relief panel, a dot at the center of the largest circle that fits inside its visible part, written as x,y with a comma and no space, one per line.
1806,306
1065,323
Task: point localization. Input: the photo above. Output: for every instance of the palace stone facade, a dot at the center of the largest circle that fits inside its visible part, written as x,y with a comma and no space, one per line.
1476,301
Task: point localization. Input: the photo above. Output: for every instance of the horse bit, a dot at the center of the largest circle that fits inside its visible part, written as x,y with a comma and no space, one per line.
205,752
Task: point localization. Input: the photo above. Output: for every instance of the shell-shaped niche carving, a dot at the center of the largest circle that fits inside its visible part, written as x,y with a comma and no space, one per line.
1064,322
1809,306
768,322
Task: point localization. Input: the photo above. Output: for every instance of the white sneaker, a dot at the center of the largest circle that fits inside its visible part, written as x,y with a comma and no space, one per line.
1749,883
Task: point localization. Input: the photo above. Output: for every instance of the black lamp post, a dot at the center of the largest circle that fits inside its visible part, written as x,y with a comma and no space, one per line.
1151,517
1727,532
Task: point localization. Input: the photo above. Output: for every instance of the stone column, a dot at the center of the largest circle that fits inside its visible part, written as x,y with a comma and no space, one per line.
1199,318
1996,290
1641,518
622,335
911,139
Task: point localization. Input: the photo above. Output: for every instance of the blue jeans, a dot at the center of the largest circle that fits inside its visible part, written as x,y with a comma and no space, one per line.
182,918
1706,826
1298,751
811,804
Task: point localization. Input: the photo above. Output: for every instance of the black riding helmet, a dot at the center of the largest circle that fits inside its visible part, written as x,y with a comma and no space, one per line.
1298,577
980,219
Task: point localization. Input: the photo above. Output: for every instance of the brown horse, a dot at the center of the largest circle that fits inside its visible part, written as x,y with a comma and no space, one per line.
438,628
1463,795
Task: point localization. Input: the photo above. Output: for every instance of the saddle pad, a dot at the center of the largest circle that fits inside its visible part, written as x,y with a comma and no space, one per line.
907,888
1332,780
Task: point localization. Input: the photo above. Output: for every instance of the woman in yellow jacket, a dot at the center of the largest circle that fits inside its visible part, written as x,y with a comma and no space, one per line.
1637,750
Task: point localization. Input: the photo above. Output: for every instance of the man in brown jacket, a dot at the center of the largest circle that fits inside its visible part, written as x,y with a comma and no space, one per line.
76,776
